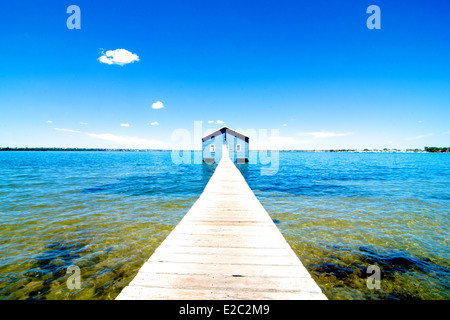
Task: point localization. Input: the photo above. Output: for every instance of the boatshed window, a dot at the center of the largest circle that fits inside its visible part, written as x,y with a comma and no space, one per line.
238,148
212,148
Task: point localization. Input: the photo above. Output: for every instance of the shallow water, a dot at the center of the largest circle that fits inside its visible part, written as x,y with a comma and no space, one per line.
106,212
342,212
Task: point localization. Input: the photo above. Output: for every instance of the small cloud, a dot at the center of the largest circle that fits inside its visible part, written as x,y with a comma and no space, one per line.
284,125
49,121
66,130
84,123
113,138
211,121
323,134
447,132
118,56
124,124
281,142
155,123
220,122
157,105
419,137
130,142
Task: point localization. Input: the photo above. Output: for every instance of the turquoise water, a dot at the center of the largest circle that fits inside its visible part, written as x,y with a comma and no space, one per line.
342,212
106,212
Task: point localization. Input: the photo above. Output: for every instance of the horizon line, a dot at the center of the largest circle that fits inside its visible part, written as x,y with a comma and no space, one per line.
254,150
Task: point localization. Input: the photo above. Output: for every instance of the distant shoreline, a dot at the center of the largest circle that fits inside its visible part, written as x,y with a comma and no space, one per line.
385,150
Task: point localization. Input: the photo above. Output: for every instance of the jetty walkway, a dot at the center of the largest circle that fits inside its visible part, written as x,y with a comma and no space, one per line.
225,247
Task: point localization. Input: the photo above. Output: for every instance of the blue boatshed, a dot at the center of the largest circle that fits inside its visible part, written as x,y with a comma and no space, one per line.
225,142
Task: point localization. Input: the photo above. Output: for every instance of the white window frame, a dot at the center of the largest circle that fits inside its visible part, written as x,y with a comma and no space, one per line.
238,148
212,148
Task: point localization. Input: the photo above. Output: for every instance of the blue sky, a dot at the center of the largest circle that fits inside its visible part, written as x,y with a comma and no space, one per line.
310,69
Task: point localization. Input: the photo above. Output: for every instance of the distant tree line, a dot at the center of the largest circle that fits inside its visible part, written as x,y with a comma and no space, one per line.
427,149
68,149
436,149
342,150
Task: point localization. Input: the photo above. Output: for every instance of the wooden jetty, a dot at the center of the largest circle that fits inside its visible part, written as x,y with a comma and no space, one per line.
225,247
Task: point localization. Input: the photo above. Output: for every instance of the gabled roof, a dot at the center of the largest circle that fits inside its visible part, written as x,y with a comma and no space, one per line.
223,130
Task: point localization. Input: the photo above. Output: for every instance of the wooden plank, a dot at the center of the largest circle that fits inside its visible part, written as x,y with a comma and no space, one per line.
248,270
225,247
146,293
224,282
224,259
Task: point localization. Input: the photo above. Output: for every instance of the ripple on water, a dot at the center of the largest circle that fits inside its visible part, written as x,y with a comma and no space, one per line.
403,275
106,212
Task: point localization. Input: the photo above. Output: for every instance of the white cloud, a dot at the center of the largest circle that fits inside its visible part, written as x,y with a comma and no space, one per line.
66,130
113,138
118,56
323,134
157,105
124,124
104,59
220,122
284,125
130,142
49,121
419,137
154,123
211,121
84,123
279,143
309,140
